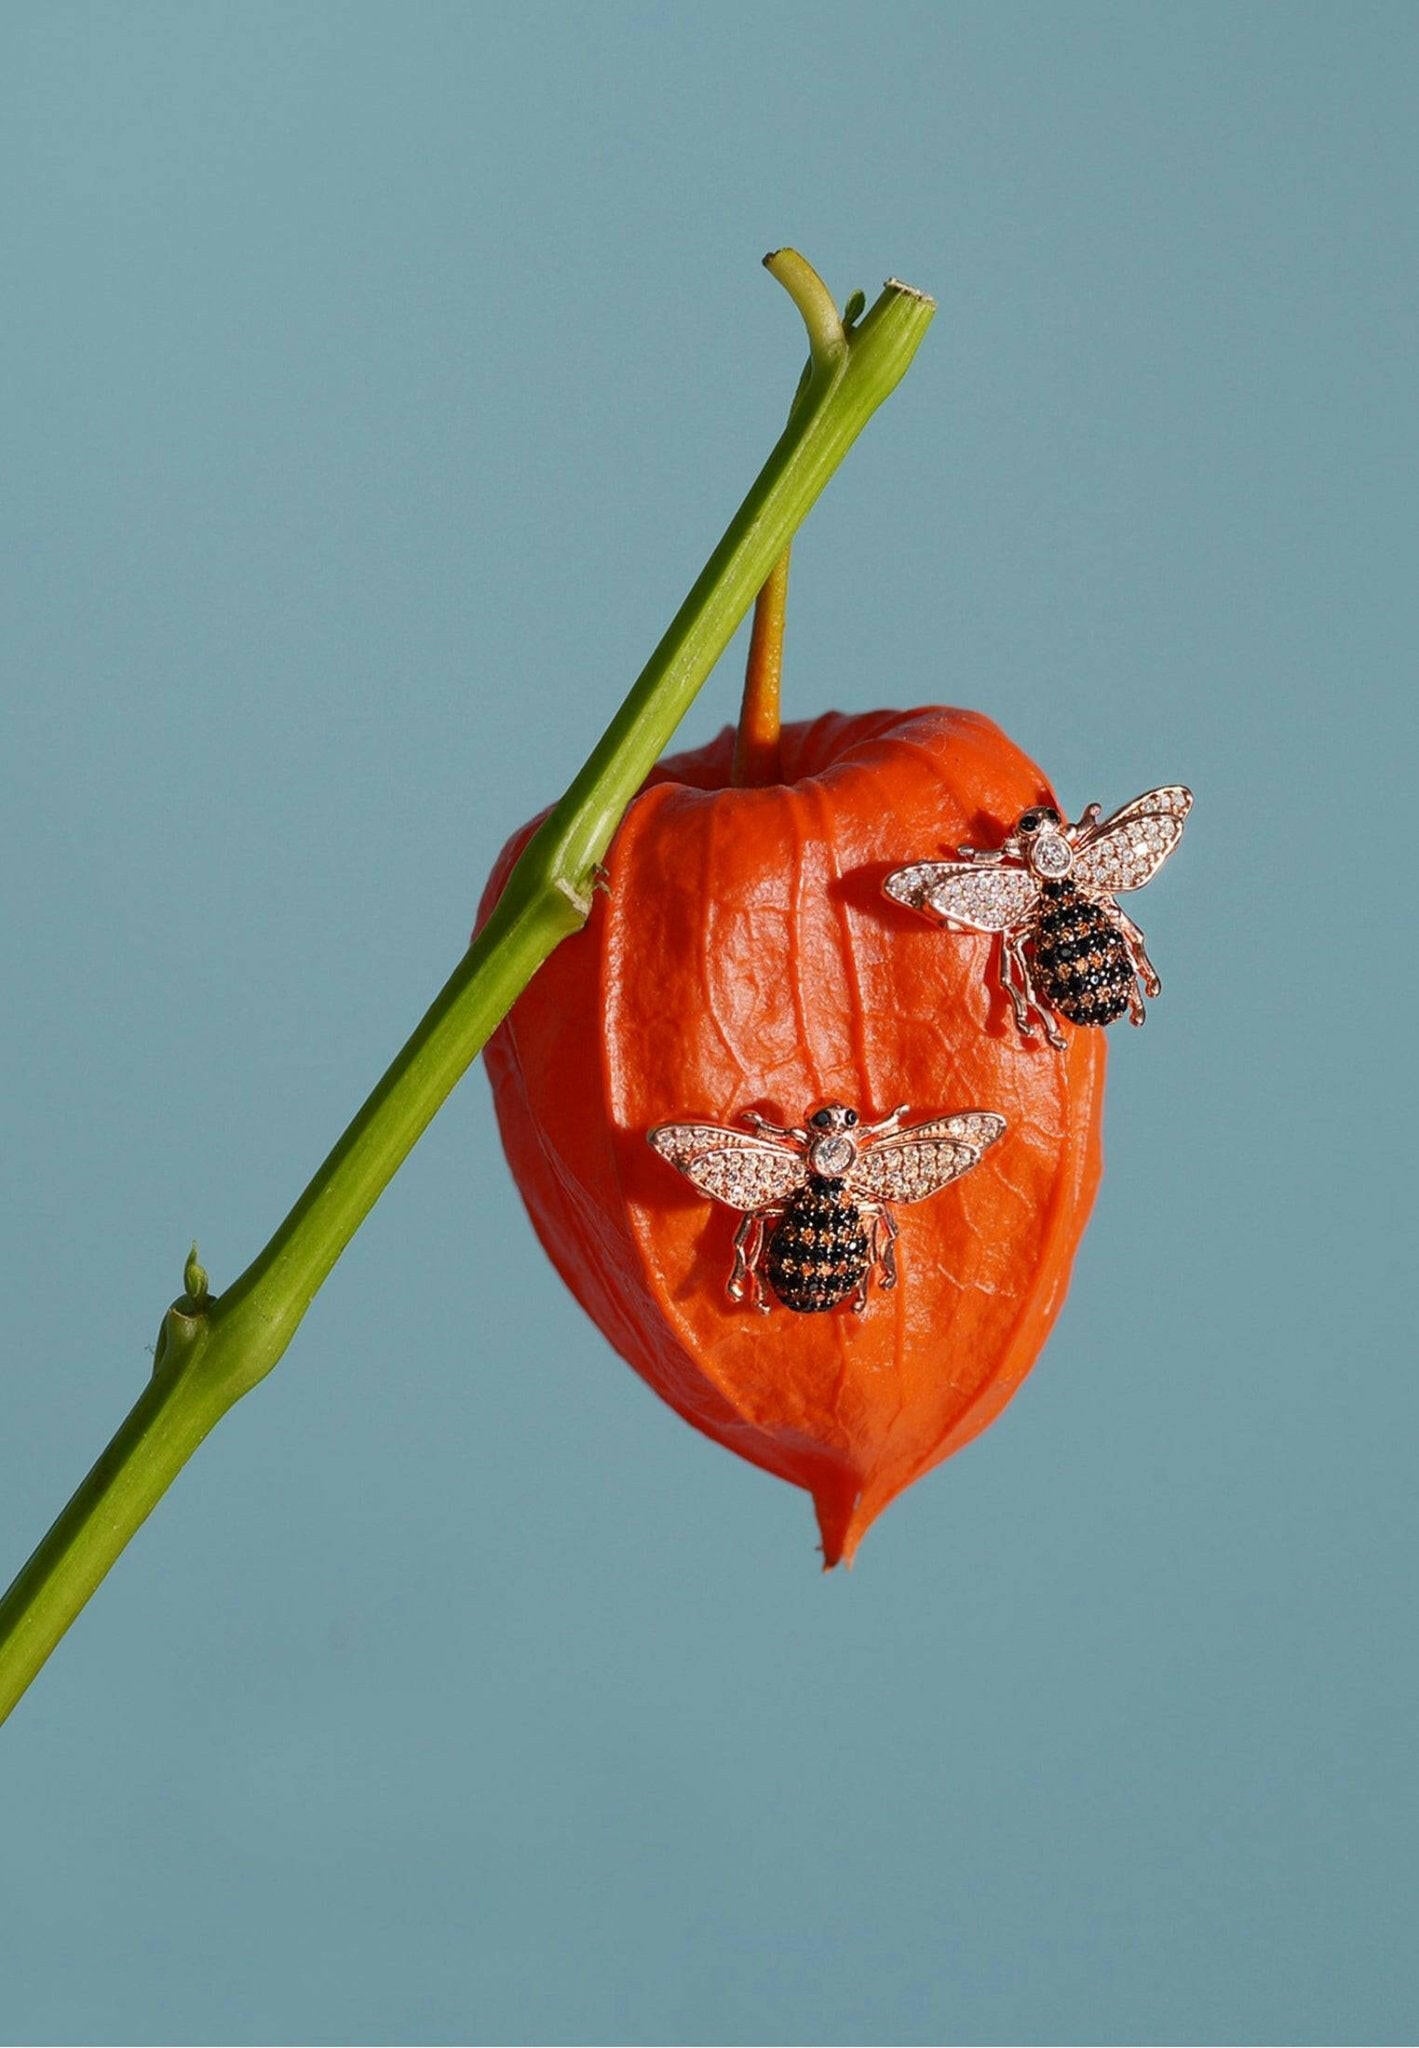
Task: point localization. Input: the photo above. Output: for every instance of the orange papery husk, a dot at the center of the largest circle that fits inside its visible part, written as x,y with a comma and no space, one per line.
743,956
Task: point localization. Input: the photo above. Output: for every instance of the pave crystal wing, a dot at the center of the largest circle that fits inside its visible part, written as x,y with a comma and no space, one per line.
1128,849
735,1167
914,1163
970,897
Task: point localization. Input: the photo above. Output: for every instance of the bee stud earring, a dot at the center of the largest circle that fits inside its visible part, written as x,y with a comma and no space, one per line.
1048,890
817,1200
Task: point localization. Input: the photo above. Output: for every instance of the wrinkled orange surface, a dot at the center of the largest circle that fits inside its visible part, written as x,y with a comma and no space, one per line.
745,958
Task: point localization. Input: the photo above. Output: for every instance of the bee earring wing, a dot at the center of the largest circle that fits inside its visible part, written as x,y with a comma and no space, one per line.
966,895
1128,849
924,1158
734,1167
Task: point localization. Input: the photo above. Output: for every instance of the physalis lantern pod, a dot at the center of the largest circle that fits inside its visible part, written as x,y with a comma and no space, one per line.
744,963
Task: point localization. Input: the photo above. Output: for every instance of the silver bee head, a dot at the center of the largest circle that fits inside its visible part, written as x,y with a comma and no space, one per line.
831,1152
1040,842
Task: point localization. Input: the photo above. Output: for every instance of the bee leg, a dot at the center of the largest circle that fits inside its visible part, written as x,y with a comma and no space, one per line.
880,1232
765,1129
1015,980
763,1296
748,1242
884,1247
1142,966
755,1232
1053,1033
888,1123
859,1298
1137,1013
1010,976
1029,1000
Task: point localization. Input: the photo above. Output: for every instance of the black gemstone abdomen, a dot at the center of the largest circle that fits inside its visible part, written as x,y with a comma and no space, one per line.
1081,966
818,1253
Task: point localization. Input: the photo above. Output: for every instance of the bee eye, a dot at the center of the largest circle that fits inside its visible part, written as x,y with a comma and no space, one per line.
849,1117
822,1120
1030,822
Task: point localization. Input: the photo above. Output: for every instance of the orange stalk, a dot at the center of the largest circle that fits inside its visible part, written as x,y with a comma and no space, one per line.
756,745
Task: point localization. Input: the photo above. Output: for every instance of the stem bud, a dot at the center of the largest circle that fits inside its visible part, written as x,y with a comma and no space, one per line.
194,1280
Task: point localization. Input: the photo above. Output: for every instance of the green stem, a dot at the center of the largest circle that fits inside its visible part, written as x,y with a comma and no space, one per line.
213,1349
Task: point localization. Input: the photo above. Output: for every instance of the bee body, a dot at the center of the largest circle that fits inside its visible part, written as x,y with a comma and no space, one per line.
815,1200
1081,964
818,1253
1050,890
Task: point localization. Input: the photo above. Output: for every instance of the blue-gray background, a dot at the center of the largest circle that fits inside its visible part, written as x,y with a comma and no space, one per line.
376,380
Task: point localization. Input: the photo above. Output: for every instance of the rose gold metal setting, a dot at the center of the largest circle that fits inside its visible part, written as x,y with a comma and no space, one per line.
758,1169
997,890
